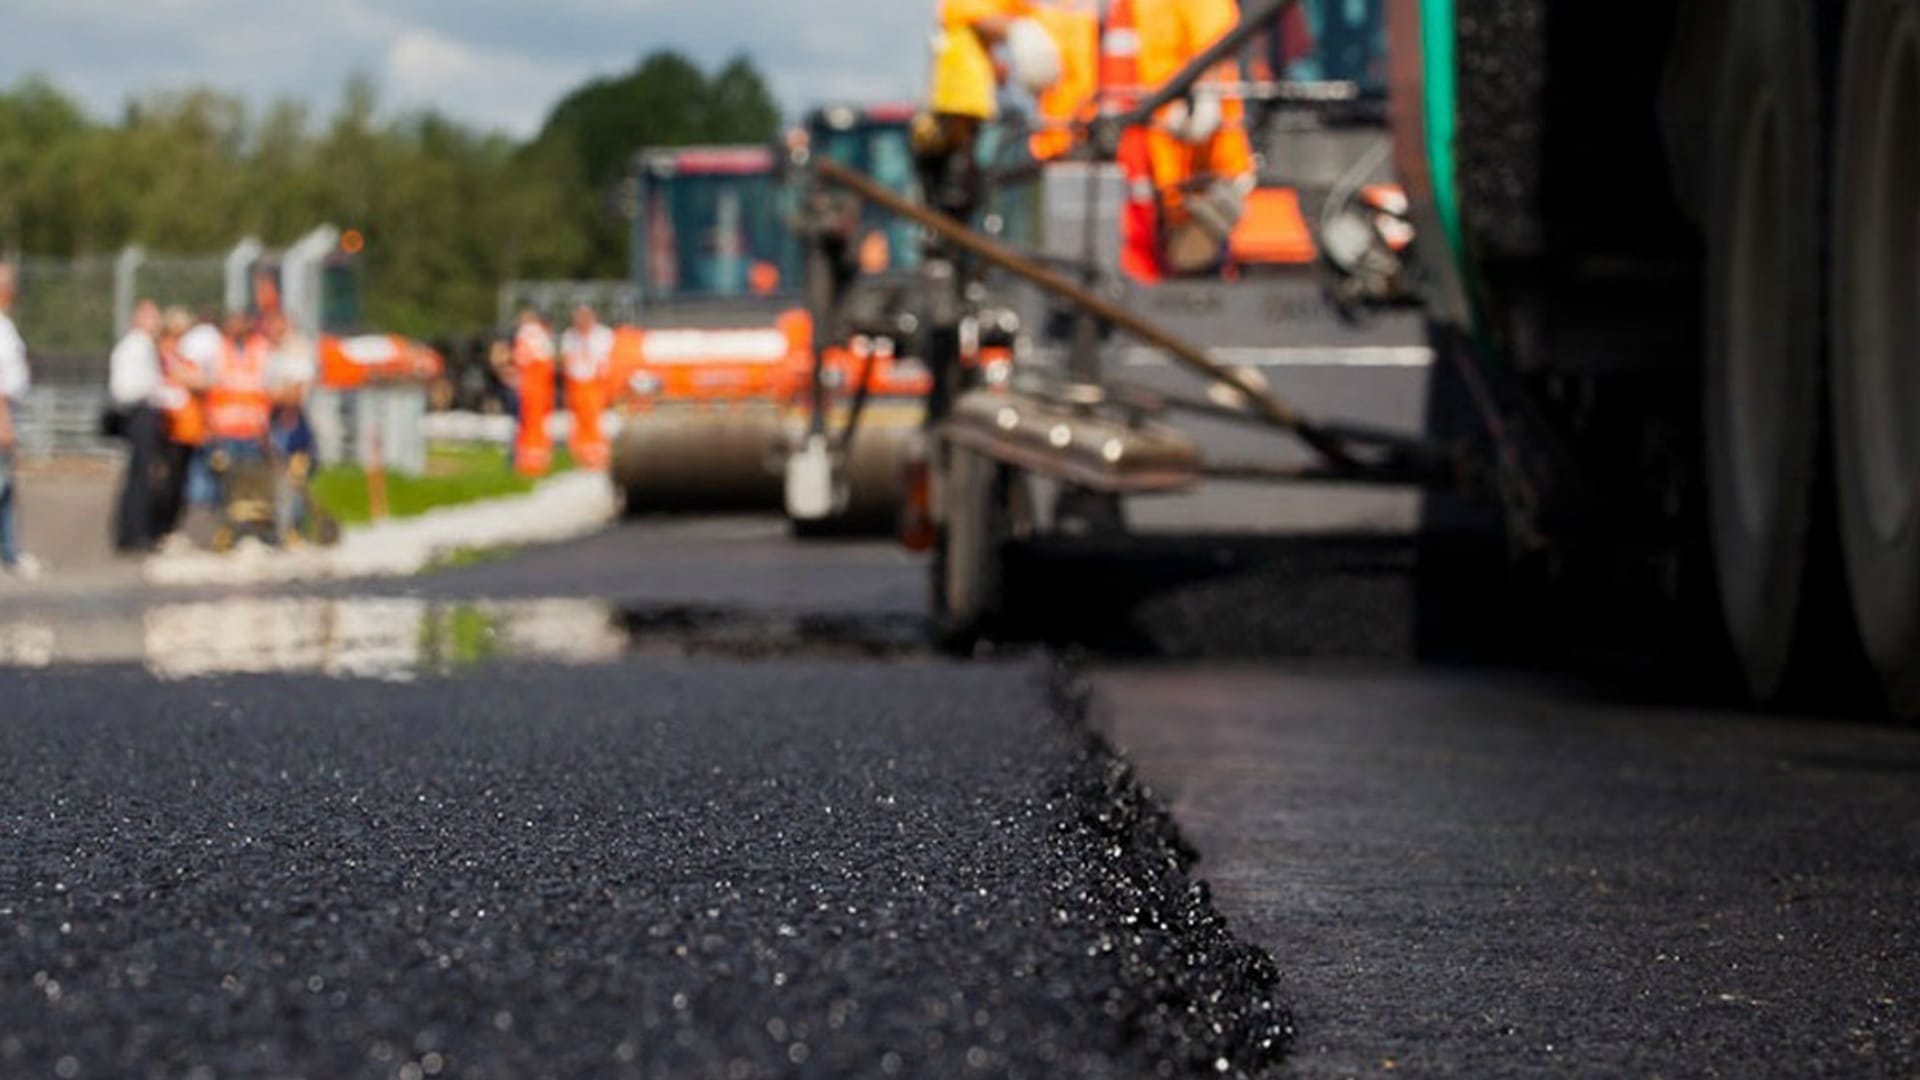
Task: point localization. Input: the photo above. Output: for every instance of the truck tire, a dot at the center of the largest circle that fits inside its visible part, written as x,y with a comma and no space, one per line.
987,505
1875,335
1762,386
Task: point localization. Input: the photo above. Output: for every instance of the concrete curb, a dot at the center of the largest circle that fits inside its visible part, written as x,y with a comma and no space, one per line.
562,508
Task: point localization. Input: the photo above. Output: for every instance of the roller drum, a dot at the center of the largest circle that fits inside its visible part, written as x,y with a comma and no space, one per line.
699,459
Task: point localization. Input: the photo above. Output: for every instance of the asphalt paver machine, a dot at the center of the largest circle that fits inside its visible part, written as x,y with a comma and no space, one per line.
1079,417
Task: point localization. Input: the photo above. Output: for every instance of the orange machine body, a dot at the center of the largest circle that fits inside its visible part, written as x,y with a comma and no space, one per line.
668,366
356,361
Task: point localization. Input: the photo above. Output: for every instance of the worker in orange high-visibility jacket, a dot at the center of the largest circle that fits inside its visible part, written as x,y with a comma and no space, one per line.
533,360
1202,160
239,406
586,352
1074,26
1121,88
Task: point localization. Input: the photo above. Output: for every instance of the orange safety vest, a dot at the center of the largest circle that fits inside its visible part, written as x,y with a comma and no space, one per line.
586,397
1076,31
533,359
239,406
1172,33
186,416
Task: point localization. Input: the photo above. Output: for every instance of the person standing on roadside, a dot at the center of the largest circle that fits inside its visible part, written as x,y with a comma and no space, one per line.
185,419
586,350
14,383
292,365
533,356
137,390
202,352
239,404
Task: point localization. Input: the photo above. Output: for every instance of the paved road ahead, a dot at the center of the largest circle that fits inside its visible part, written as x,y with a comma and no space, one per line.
631,866
1485,876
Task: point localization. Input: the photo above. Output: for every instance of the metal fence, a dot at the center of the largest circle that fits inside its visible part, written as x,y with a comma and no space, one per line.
60,420
195,282
64,309
71,311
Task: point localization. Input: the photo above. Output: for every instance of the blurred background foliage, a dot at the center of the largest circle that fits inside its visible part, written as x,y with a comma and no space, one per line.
448,212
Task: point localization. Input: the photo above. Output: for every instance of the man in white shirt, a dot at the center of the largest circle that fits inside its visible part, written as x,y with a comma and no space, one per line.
135,384
14,383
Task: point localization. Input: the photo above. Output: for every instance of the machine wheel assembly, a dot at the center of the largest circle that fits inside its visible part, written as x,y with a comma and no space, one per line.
1875,336
1763,364
874,473
986,505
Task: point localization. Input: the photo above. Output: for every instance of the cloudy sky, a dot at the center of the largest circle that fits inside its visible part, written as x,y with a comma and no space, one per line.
496,63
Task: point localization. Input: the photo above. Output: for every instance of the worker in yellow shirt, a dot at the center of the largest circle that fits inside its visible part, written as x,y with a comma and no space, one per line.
1202,159
966,86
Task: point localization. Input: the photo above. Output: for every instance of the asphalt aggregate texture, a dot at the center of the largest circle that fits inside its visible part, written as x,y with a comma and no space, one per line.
846,857
655,868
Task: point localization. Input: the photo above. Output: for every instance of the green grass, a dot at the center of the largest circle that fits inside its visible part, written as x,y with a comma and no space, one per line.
463,637
460,558
456,474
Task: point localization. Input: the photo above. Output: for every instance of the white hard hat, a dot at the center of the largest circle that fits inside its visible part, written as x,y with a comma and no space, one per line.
1033,57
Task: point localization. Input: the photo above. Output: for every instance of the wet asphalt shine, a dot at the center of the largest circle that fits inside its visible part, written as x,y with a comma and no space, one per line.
688,799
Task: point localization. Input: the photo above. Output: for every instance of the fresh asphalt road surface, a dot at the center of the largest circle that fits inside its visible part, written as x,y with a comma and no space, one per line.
825,860
686,868
1481,876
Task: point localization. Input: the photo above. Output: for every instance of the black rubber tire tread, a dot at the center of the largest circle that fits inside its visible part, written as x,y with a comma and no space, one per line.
1761,567
988,505
1883,565
959,552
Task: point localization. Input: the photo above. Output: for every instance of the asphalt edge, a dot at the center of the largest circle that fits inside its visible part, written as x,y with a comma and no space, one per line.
1219,1012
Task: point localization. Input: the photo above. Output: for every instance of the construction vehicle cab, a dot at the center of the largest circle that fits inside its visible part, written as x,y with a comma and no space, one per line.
875,141
700,380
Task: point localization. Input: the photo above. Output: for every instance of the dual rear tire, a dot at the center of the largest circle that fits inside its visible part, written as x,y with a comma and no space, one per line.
1764,348
1812,376
1875,335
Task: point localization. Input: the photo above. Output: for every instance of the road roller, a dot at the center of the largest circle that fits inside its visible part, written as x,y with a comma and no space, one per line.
717,382
702,376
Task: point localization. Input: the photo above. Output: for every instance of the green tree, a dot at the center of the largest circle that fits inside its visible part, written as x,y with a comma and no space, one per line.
448,214
740,107
664,101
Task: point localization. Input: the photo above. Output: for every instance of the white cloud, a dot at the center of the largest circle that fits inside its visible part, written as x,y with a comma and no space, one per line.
427,69
498,63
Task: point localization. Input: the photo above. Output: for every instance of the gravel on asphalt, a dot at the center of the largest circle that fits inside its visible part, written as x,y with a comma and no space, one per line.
668,867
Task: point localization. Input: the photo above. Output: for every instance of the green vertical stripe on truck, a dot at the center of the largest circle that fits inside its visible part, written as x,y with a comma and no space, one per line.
1442,94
